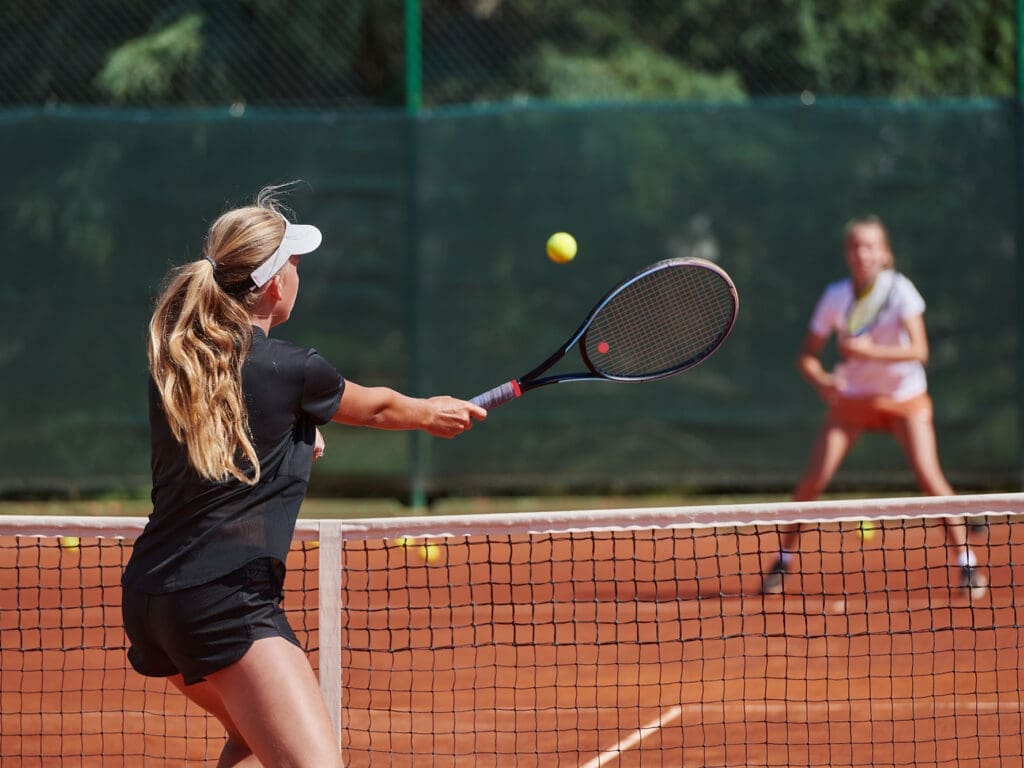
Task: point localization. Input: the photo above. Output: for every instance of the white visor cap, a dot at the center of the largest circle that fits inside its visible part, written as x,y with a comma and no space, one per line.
298,239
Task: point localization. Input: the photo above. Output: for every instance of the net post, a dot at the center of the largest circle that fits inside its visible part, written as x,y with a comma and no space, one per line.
329,608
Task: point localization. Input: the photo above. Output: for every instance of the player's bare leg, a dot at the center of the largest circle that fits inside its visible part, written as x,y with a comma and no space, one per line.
830,448
236,753
916,436
274,699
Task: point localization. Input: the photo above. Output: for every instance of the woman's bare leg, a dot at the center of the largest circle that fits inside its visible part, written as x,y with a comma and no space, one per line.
830,448
273,698
236,753
916,437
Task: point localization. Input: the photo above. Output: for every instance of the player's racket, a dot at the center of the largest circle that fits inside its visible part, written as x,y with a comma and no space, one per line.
865,311
663,320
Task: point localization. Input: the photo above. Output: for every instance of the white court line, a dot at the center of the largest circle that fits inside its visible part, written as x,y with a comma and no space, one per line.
610,755
782,708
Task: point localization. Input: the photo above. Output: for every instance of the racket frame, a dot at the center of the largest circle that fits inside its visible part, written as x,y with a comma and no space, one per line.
533,379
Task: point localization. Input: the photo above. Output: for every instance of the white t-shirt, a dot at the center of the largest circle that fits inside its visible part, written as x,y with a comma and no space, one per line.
858,377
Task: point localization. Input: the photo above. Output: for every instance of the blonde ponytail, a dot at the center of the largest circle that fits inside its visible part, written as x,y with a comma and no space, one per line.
199,336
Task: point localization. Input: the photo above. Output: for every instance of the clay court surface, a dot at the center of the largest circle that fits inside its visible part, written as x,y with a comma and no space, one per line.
632,648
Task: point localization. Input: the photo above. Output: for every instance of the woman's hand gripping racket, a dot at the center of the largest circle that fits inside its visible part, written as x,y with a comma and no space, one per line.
662,321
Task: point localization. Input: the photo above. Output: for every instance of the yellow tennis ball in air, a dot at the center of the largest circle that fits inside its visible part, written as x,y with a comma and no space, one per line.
561,247
866,530
430,553
70,542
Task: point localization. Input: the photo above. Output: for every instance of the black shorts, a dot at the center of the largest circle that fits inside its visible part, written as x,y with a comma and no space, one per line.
200,630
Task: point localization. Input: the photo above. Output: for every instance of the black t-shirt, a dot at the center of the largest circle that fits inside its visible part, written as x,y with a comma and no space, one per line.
200,530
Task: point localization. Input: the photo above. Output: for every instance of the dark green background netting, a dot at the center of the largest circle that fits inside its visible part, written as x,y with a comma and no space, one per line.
433,279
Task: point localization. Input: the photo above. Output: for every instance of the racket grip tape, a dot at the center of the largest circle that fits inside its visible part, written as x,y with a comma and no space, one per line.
492,398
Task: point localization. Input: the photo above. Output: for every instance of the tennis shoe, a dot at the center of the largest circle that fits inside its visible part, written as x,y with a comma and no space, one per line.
771,582
973,581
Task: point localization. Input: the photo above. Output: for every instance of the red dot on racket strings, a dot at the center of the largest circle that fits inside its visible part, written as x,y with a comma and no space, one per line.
602,347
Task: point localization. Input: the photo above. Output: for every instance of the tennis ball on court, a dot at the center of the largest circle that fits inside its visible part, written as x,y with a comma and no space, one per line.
866,530
69,542
561,247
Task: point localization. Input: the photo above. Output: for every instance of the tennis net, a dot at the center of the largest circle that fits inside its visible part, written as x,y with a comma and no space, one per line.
594,638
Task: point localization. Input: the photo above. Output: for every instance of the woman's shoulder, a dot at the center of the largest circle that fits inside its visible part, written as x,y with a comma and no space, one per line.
908,294
902,280
285,355
275,353
262,344
838,291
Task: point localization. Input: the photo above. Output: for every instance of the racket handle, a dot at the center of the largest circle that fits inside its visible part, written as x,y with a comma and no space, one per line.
492,398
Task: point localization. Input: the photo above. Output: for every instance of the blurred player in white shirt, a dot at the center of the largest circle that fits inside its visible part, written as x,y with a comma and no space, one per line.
879,385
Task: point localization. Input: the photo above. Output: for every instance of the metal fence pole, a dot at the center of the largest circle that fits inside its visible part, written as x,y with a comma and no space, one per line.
1018,136
413,104
413,57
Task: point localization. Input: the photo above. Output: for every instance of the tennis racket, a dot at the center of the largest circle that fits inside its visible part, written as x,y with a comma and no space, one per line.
865,311
662,321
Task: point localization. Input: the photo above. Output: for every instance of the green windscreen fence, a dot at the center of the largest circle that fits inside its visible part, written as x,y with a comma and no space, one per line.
433,278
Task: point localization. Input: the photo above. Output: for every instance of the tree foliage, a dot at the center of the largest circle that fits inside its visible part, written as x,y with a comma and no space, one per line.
350,53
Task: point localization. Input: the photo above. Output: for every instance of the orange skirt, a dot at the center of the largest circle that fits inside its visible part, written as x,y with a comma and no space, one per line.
879,414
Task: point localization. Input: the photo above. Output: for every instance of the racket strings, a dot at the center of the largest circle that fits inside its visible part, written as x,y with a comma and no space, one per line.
664,322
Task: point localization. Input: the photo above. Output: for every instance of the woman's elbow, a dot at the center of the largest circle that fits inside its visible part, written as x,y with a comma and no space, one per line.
365,407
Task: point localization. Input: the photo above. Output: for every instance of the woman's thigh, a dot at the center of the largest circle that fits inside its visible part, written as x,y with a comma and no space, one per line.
272,696
831,445
916,436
